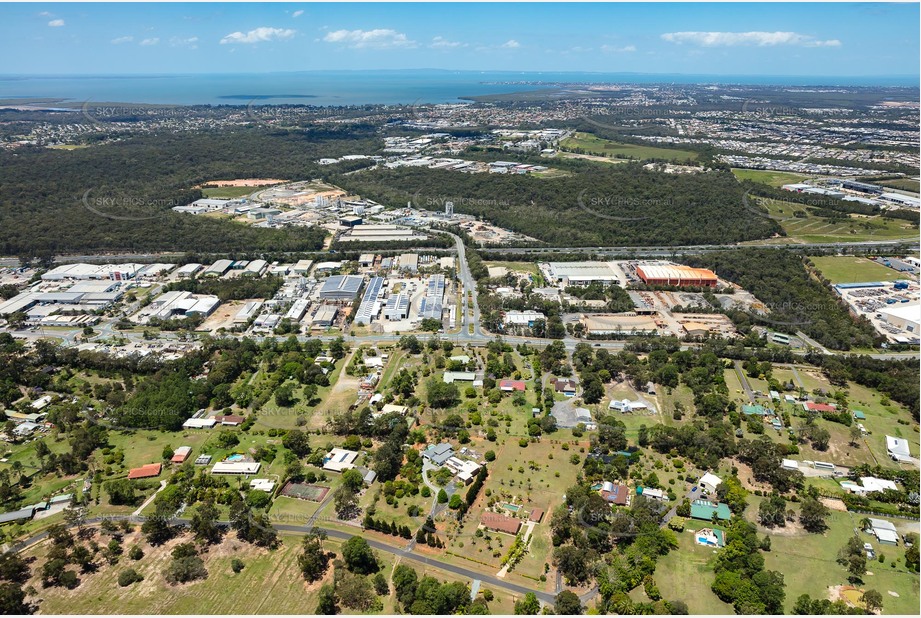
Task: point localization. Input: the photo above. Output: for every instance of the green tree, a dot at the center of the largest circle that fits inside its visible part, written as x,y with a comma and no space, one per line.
204,523
528,606
813,514
872,600
567,604
313,559
128,577
358,556
327,601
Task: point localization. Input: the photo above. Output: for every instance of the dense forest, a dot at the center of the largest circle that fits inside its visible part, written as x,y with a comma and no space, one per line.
796,301
119,196
598,206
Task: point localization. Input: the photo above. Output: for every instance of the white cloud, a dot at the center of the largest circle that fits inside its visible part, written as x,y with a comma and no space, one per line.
191,42
122,39
297,13
439,42
259,35
379,38
44,14
613,49
150,42
511,44
56,23
759,39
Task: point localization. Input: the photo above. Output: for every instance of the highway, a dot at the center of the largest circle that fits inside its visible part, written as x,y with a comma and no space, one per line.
911,244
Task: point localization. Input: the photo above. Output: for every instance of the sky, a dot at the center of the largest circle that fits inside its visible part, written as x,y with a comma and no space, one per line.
827,39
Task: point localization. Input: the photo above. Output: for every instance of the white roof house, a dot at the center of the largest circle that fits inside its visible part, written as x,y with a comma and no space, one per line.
710,481
871,483
455,376
340,460
789,464
199,423
897,448
626,405
236,467
884,531
266,485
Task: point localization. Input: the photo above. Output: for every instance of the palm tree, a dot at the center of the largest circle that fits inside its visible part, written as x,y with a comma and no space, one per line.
865,524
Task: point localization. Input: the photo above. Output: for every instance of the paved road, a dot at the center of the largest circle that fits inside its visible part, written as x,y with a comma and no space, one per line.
460,571
743,379
911,243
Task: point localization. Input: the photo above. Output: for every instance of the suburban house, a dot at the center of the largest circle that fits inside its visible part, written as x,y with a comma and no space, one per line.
236,467
811,406
438,454
756,410
181,454
512,385
340,460
266,485
615,494
709,482
231,420
884,531
199,423
145,472
459,376
465,470
567,387
710,537
536,515
500,523
651,492
898,449
626,405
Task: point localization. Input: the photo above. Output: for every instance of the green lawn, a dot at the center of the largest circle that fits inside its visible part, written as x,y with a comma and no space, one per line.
810,228
591,144
768,177
852,269
905,184
808,562
686,574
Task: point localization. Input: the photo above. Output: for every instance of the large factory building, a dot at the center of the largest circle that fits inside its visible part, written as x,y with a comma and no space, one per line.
677,275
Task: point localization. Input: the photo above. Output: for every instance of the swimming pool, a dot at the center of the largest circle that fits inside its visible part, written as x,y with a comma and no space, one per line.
514,508
234,457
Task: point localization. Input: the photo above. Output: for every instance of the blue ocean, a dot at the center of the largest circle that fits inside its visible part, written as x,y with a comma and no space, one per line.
359,87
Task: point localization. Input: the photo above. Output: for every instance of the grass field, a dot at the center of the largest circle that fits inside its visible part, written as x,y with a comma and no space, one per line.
686,574
768,177
227,192
905,184
270,583
850,269
811,228
808,562
594,145
525,267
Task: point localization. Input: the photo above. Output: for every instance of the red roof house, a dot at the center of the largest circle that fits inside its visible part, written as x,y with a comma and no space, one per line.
500,523
820,407
145,471
512,385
